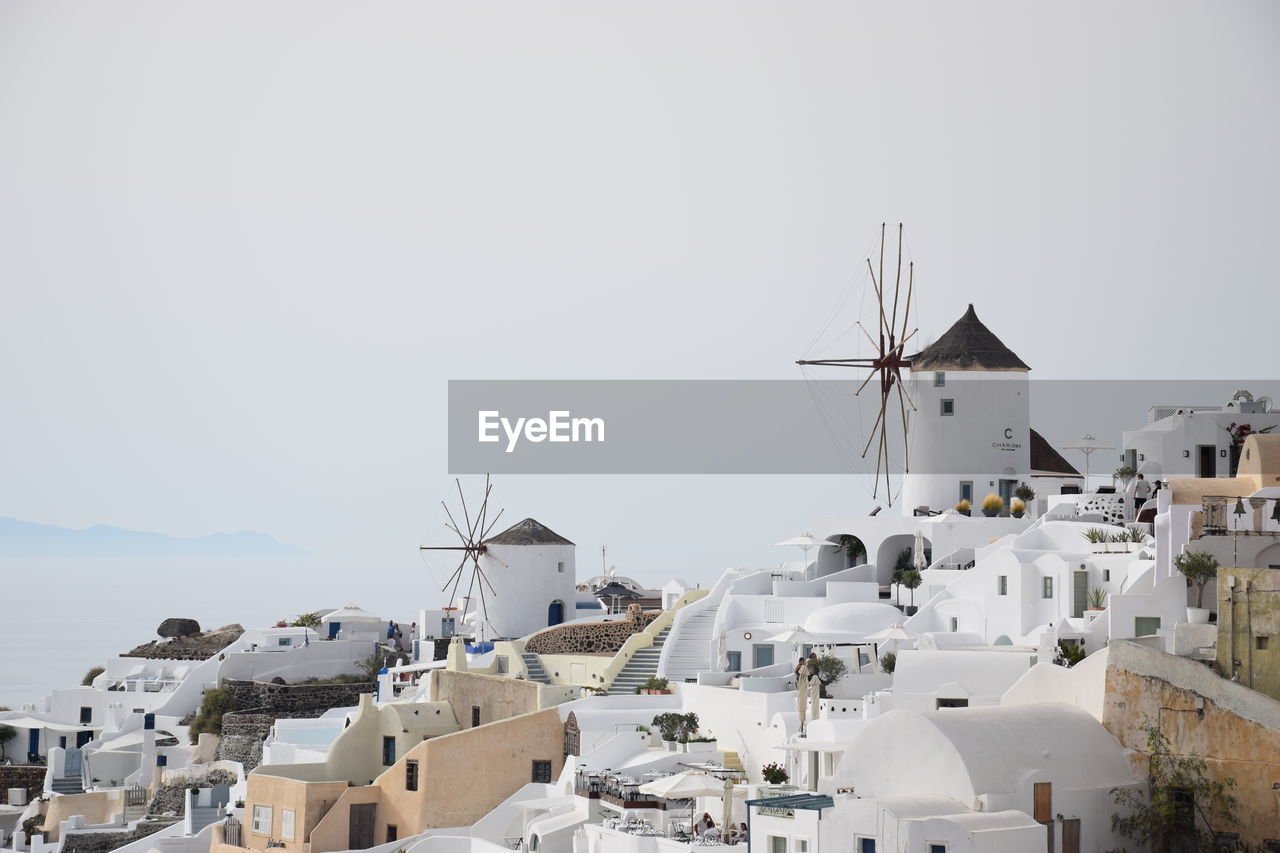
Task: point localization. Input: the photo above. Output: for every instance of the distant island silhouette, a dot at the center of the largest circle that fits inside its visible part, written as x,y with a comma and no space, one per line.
28,539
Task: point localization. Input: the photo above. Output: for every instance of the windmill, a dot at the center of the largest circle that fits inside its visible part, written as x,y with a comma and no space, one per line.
472,535
887,362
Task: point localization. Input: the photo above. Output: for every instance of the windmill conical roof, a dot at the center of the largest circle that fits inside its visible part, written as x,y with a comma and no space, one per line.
967,345
528,532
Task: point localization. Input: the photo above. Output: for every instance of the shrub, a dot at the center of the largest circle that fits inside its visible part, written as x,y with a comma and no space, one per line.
307,620
216,702
668,725
7,733
993,502
1024,492
1124,474
1198,568
912,581
1097,597
1068,655
655,683
831,669
89,676
963,506
850,546
1018,505
1097,535
888,661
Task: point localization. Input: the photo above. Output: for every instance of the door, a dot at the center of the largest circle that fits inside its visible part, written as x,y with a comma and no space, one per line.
72,765
1208,460
33,743
1071,835
555,613
334,627
1006,492
761,656
82,738
1080,593
360,825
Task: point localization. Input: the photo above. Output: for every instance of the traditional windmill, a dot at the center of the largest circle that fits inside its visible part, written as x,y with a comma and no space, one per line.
472,535
888,361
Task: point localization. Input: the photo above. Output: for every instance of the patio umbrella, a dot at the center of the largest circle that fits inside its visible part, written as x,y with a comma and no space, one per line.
918,559
728,794
894,634
804,541
684,786
798,636
723,659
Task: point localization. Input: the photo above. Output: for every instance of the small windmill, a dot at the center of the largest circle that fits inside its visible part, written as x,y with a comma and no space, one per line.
472,533
888,361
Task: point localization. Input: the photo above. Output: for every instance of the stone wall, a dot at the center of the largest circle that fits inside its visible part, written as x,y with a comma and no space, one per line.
171,798
21,776
588,638
102,842
243,733
1235,729
295,700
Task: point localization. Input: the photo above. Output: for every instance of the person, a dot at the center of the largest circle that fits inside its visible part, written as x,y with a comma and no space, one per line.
742,833
815,684
802,689
1141,491
706,825
391,629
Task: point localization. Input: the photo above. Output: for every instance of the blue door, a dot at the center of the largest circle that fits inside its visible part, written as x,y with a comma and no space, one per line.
333,629
82,738
33,743
72,765
555,613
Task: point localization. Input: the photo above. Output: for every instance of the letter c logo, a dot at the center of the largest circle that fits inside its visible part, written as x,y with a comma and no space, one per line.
1008,432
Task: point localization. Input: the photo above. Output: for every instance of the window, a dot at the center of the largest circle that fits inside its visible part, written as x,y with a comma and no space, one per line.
560,567
286,824
393,832
411,775
86,716
866,845
966,490
951,703
1106,574
763,655
1002,585
801,846
955,624
1261,644
284,641
1042,793
937,848
388,751
777,844
1145,626
939,379
948,407
262,820
542,772
475,716
735,661
1046,587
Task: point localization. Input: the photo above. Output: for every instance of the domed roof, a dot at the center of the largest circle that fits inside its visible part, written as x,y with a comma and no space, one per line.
855,618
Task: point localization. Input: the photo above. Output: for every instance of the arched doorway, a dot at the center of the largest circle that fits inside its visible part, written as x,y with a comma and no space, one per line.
555,613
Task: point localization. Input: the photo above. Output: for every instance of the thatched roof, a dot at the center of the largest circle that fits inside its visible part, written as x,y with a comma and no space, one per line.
967,345
528,532
1047,461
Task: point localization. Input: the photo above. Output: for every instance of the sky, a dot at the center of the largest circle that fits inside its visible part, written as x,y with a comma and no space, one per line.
244,246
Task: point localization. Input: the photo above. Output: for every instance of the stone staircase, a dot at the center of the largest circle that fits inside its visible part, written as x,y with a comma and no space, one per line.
68,785
134,812
642,666
533,664
692,652
202,816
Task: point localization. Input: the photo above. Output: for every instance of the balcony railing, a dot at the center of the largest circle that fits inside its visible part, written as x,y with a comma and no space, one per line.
1225,515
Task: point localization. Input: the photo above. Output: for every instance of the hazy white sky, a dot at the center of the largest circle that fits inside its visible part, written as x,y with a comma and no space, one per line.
243,246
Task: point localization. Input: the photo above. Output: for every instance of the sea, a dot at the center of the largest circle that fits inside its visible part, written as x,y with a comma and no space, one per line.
62,616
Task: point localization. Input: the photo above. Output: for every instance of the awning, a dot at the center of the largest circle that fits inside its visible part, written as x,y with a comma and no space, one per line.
33,723
811,802
817,746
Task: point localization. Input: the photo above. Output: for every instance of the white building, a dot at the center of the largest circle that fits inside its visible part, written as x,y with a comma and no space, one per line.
533,576
1187,440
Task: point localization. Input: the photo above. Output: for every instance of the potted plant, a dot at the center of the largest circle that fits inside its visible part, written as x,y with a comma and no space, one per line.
963,507
668,726
830,670
992,504
912,580
774,774
1098,536
888,661
687,727
1024,493
702,744
656,685
1198,568
1097,598
1017,508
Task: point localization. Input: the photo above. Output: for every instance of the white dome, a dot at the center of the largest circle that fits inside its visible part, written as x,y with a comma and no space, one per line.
853,617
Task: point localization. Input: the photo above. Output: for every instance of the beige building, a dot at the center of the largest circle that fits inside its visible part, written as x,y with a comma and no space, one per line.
398,770
1248,648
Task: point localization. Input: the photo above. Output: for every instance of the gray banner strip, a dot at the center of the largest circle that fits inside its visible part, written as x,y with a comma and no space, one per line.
778,426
